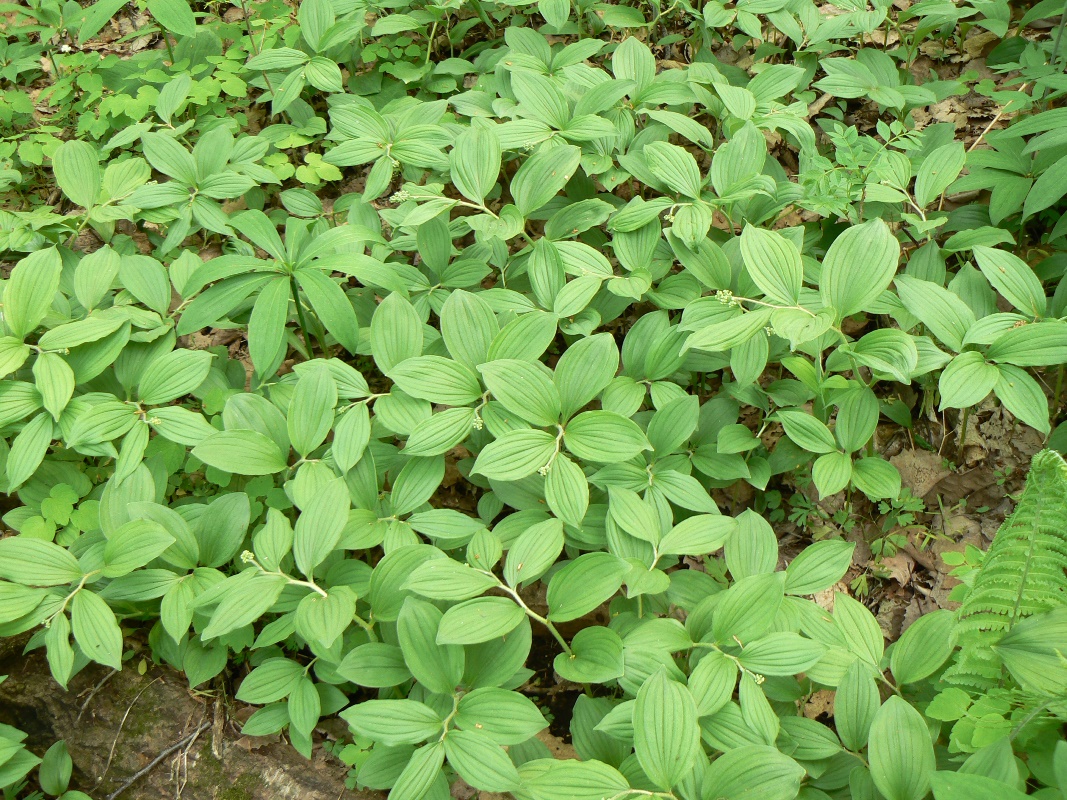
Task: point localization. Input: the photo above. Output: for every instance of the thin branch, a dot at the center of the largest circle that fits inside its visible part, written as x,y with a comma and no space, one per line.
185,741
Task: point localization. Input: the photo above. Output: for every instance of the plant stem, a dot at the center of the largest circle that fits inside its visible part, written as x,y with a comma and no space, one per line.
300,315
1058,393
535,616
166,41
963,434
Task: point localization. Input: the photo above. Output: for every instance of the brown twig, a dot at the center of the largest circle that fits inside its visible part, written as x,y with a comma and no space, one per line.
184,742
92,694
118,733
992,122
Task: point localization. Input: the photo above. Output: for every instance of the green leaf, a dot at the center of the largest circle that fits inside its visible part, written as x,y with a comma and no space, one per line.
1013,278
857,419
422,770
540,97
266,326
72,334
304,707
831,473
712,682
438,379
475,160
888,350
322,620
523,388
331,305
858,267
939,169
551,779
963,786
479,620
439,433
95,629
351,435
270,681
729,332
30,290
242,452
480,761
596,657
468,327
526,337
698,535
1032,650
28,450
103,422
877,479
76,165
311,411
146,279
818,566
318,528
567,491
58,651
856,702
445,579
967,380
1047,190
95,17
773,262
439,667
17,600
900,752
807,431
506,717
583,584
13,354
516,455
860,628
748,608
174,375
133,545
1023,397
534,551
1038,344
541,176
395,332
753,771
393,722
174,15
375,665
783,653
246,597
675,167
631,513
924,646
35,562
666,734
605,437
416,483
584,370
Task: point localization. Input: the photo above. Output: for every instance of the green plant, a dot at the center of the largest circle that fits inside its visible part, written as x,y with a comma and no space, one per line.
358,353
1021,576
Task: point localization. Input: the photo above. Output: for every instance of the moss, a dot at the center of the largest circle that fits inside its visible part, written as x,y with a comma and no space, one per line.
210,774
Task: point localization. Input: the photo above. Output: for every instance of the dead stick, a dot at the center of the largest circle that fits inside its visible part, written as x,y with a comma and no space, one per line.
155,761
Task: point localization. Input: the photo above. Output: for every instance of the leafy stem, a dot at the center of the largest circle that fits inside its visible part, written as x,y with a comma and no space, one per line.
66,600
534,615
451,716
295,291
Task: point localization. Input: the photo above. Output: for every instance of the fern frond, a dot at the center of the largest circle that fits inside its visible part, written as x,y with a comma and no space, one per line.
1024,573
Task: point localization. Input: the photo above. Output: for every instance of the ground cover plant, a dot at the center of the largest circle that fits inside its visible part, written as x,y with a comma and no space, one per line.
463,368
